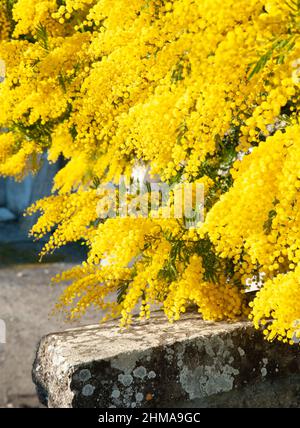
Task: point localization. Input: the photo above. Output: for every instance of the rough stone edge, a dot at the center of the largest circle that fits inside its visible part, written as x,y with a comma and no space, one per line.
62,383
40,378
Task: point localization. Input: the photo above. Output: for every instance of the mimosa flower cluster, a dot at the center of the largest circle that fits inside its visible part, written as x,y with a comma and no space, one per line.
198,91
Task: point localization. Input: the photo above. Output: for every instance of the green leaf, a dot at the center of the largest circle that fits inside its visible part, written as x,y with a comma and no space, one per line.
42,36
268,223
260,64
122,290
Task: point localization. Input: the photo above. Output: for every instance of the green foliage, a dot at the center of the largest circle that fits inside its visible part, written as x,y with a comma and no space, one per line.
278,52
42,37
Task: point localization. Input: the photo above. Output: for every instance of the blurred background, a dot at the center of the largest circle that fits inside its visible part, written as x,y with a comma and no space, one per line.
26,298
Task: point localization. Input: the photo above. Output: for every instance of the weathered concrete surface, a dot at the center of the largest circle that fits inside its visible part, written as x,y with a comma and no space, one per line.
18,194
2,192
279,392
26,300
6,215
41,186
189,363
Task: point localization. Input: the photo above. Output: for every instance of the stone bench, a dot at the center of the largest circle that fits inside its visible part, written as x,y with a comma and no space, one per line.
191,363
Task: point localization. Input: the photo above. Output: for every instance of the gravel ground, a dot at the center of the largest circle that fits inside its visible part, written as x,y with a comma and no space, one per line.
26,300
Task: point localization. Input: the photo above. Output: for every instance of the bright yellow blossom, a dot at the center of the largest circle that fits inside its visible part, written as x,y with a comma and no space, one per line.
198,91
